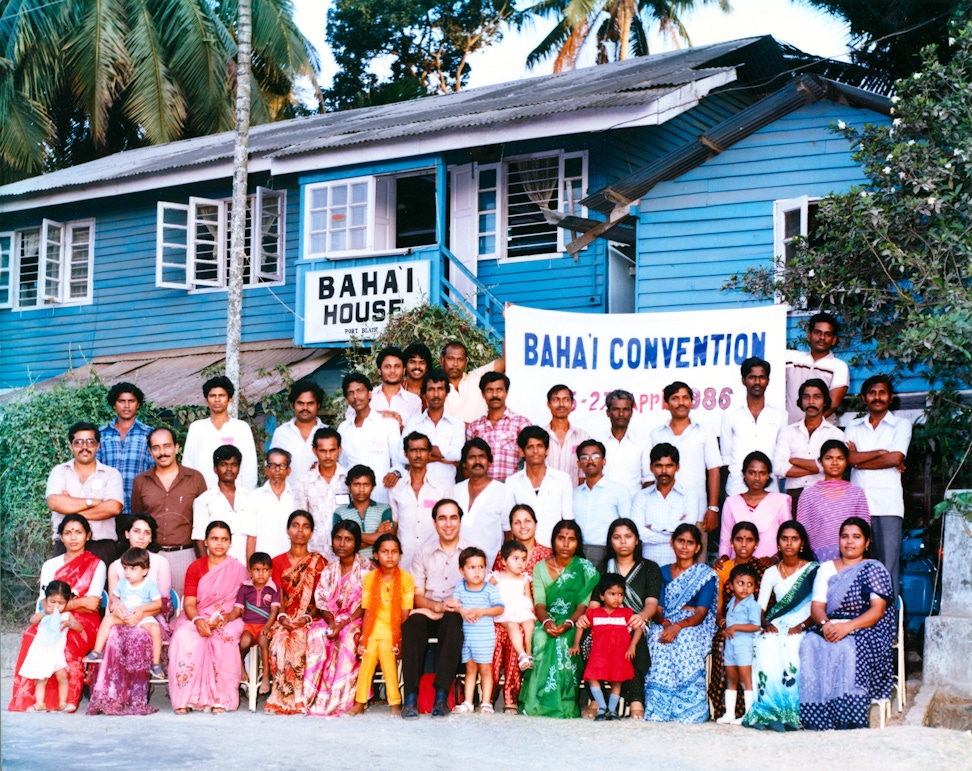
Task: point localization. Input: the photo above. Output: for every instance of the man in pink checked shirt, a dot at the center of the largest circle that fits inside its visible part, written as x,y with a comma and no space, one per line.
499,427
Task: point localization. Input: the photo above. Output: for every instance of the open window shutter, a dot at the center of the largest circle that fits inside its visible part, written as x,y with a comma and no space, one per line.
6,270
384,219
172,268
207,243
268,245
52,242
464,227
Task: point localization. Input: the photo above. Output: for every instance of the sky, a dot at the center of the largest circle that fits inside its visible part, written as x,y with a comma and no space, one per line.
790,21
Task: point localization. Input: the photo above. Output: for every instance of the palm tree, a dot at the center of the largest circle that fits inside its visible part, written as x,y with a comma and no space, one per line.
619,27
85,78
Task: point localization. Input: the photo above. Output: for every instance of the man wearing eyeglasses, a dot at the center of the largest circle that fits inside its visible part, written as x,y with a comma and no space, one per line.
598,501
272,504
88,487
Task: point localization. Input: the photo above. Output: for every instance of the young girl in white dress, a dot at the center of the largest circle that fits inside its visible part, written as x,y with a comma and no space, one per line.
46,654
514,587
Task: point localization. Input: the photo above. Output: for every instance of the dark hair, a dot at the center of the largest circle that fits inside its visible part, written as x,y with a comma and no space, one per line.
557,389
302,387
468,553
218,523
455,344
79,518
751,363
354,377
435,376
227,452
834,444
509,547
591,443
688,527
748,526
673,388
82,425
824,318
384,538
148,519
618,393
220,381
493,377
325,433
415,436
352,527
60,589
864,527
746,569
532,432
390,350
873,380
814,382
609,581
300,513
115,392
523,507
356,472
664,450
478,443
440,504
259,558
279,451
135,558
418,349
569,524
805,553
609,553
155,430
763,458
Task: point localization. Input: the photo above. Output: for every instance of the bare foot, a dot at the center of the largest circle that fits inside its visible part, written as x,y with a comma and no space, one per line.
217,711
264,688
396,710
357,709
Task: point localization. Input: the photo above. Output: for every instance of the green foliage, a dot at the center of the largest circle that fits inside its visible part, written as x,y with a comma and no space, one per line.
893,259
960,503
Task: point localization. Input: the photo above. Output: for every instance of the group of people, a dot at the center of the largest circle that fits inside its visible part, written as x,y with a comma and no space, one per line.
581,573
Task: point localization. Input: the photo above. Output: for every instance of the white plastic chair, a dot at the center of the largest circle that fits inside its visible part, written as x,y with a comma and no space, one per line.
900,682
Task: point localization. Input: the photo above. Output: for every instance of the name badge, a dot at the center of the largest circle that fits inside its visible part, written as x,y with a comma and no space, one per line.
227,440
342,499
428,503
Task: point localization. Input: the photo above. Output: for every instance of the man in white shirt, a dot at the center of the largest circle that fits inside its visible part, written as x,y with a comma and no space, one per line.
220,429
819,362
465,401
227,503
798,450
661,508
418,363
445,431
487,503
414,497
272,504
598,501
296,436
622,443
368,439
322,489
564,437
547,491
390,399
753,425
878,444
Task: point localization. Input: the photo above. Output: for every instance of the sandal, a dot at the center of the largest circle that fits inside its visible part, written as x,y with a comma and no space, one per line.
217,710
510,710
93,657
67,708
35,708
463,709
183,711
524,661
158,673
486,709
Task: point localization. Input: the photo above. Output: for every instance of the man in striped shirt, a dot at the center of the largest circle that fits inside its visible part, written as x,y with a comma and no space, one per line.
375,519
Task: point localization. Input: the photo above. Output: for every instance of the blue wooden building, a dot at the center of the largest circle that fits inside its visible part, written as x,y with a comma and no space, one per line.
638,186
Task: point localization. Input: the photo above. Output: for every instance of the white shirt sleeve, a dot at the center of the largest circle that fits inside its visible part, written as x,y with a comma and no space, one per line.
200,518
781,458
820,583
248,468
190,453
901,438
725,438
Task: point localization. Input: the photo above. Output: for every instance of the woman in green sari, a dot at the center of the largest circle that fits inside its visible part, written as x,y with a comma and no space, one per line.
562,587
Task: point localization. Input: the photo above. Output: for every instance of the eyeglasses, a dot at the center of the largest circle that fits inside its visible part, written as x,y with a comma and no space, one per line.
591,456
277,466
84,443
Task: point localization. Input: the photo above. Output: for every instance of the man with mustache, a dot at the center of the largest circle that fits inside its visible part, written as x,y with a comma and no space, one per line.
167,493
296,436
487,503
878,444
445,431
499,427
662,507
817,363
798,449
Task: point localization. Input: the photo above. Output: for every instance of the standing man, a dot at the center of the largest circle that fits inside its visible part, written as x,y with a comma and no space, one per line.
418,362
271,505
436,613
296,436
663,506
564,438
217,430
226,503
622,442
598,501
167,493
878,444
499,427
322,489
367,438
548,491
798,450
374,519
88,487
819,362
487,503
414,497
390,399
124,441
446,432
465,399
753,425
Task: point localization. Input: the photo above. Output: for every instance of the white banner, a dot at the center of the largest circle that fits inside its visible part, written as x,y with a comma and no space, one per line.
357,302
594,354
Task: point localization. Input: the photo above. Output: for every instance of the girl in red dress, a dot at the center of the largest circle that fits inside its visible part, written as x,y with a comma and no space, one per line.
613,645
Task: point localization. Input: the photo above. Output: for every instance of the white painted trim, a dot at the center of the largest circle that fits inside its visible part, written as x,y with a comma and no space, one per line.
66,249
9,272
307,190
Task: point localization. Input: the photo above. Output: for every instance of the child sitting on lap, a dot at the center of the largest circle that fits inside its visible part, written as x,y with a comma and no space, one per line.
517,618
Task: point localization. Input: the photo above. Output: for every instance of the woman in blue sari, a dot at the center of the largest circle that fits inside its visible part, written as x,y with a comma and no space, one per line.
846,663
680,635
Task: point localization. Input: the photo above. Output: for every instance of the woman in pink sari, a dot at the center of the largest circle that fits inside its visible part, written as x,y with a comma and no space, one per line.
204,653
331,672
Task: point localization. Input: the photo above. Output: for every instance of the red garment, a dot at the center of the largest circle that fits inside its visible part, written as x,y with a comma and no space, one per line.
610,638
194,573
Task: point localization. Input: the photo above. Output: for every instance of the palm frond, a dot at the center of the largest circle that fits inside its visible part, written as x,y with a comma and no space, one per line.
24,129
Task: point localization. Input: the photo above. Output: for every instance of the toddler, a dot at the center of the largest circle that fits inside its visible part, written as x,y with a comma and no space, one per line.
517,617
387,594
46,654
257,603
479,602
141,601
743,616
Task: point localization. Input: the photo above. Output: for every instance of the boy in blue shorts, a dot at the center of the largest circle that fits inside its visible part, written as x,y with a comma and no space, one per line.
480,602
743,618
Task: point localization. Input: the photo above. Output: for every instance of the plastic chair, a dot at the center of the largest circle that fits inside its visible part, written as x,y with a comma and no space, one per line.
254,667
176,602
899,682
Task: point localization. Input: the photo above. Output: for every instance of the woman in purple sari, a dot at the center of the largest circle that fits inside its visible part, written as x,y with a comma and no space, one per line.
845,663
121,679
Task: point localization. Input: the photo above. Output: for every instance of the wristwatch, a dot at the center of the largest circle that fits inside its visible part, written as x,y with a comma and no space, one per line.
714,508
88,502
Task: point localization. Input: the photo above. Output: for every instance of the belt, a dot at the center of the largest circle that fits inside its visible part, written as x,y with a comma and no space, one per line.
176,548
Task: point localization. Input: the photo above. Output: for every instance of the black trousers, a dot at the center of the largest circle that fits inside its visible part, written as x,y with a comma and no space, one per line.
416,632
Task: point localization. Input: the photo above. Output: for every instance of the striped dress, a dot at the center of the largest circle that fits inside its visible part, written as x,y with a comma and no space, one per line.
823,508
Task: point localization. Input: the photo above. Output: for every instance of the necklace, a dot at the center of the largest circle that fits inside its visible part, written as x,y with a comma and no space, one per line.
799,565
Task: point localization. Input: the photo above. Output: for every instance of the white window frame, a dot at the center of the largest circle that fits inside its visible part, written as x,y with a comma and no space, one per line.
8,239
54,265
780,240
308,193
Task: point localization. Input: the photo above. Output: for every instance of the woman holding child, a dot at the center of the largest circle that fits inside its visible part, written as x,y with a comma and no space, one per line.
331,671
296,573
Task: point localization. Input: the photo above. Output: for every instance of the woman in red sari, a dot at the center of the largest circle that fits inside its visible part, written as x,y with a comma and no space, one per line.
297,573
523,526
85,574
